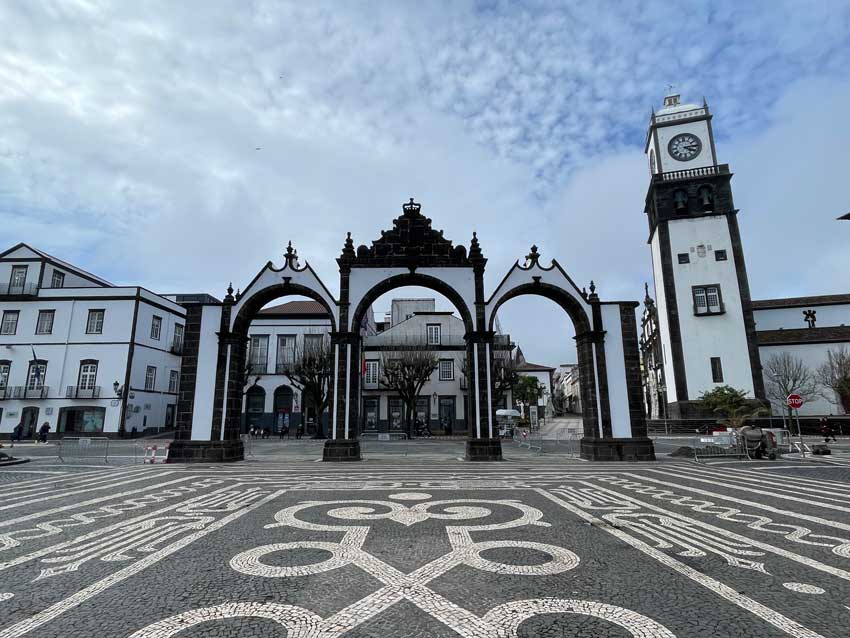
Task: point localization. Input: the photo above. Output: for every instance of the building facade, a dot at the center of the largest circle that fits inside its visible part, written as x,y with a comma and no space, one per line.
83,355
703,330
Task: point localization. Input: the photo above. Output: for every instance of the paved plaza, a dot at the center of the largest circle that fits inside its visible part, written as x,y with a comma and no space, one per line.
415,543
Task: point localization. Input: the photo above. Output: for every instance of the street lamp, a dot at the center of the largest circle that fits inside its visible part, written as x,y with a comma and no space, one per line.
119,392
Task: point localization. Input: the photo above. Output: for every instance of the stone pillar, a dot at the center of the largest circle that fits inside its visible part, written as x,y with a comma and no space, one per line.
188,372
344,390
484,443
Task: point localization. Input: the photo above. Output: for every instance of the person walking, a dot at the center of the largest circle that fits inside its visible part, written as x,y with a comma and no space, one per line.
43,431
826,430
18,432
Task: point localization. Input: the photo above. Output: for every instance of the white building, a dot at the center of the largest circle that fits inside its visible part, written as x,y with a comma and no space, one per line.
69,338
807,328
276,336
442,401
703,330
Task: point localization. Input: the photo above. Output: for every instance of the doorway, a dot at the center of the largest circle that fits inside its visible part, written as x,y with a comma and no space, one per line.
370,409
169,416
29,417
447,414
255,405
282,408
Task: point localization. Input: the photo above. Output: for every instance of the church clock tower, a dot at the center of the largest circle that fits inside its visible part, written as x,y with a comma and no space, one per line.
705,316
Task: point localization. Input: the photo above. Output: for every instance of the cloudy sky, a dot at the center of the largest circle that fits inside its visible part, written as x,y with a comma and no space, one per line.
129,134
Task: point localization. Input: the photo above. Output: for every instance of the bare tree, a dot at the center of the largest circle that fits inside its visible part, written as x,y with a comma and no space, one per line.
406,368
310,369
834,374
787,374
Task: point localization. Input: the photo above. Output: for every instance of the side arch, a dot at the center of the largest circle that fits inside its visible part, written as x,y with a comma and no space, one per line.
560,296
250,306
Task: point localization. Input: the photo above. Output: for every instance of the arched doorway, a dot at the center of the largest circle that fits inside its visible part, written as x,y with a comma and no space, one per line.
255,408
284,417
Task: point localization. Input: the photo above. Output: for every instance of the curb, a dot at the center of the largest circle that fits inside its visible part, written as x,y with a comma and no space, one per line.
25,459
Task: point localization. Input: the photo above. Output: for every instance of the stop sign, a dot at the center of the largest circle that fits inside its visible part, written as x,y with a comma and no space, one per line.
794,401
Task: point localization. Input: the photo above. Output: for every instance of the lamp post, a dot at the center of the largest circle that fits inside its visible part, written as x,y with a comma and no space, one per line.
120,392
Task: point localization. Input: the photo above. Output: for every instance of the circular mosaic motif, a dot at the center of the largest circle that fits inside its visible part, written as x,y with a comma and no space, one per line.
6,596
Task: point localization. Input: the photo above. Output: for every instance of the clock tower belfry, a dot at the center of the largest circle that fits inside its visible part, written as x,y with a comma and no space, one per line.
705,317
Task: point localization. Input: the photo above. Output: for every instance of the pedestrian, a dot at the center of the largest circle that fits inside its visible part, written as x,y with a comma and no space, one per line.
299,432
826,430
43,431
18,432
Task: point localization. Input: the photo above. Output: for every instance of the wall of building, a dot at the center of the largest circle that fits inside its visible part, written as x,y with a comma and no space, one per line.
704,337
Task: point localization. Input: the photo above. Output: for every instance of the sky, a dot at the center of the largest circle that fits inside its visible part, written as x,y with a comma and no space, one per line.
180,146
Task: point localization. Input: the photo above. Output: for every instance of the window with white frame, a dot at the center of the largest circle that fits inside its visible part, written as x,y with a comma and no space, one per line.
150,378
94,324
5,370
9,326
259,353
313,343
285,351
178,337
88,375
433,334
156,327
18,279
447,369
36,374
44,325
707,300
58,279
372,371
173,381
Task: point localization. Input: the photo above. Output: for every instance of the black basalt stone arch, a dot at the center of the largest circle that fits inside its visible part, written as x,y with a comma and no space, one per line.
585,337
564,299
249,311
414,279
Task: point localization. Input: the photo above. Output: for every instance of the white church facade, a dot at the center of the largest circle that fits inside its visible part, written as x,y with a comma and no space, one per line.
703,330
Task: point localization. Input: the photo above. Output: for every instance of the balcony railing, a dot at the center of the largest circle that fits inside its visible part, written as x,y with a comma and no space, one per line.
22,290
23,392
690,173
176,347
79,392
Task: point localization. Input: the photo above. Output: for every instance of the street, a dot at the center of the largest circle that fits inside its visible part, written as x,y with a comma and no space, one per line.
423,545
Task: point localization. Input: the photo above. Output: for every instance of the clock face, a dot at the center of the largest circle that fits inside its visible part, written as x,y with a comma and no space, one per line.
684,147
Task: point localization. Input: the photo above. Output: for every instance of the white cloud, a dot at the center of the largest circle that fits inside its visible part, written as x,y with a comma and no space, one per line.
128,133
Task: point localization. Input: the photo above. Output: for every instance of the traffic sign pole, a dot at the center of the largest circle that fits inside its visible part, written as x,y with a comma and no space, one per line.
795,401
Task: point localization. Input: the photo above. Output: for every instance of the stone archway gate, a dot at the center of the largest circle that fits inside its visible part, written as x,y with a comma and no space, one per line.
411,253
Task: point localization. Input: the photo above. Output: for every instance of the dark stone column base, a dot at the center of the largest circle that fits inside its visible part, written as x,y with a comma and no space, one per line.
205,452
635,449
341,450
484,449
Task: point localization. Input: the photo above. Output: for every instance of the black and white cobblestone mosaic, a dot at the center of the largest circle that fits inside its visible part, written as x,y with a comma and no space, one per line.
418,549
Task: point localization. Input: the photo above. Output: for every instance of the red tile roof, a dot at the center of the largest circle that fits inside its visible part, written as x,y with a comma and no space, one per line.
305,307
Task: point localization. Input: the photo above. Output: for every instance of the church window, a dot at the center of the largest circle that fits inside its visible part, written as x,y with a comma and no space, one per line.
716,370
707,300
684,258
720,255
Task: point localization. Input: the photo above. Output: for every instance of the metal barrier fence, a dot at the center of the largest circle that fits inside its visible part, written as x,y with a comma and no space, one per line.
83,447
566,441
725,445
384,442
247,444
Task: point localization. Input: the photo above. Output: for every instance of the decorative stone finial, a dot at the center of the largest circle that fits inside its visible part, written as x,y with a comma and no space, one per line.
411,207
229,296
348,248
583,292
592,287
532,258
291,256
475,253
